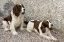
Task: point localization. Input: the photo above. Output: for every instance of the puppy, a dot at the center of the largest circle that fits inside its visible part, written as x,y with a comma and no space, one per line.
42,28
15,19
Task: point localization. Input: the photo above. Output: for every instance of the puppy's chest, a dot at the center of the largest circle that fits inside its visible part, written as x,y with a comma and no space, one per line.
17,21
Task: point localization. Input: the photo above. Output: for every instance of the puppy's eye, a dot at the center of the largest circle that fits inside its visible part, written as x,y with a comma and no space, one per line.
47,21
20,6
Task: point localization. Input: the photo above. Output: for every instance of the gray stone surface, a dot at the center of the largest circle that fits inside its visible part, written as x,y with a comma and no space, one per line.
1,14
24,36
40,9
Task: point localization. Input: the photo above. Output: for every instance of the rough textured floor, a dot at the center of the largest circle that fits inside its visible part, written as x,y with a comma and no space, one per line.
24,36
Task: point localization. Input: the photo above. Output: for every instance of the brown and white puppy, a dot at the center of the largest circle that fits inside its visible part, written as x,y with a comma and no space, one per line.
42,28
15,19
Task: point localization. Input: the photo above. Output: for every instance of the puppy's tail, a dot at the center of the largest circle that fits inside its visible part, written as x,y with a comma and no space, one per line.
26,22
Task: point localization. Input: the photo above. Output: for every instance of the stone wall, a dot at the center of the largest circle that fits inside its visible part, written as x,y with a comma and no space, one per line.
42,9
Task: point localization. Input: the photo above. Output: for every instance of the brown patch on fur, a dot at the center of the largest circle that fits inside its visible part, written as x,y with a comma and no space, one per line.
17,9
9,18
43,29
45,23
36,24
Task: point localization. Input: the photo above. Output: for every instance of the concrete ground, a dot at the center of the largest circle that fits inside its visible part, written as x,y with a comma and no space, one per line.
24,36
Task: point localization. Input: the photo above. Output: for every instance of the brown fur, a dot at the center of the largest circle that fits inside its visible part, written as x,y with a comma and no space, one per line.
17,10
9,18
43,29
45,23
36,24
43,26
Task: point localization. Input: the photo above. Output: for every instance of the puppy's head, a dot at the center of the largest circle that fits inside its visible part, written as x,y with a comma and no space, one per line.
47,23
18,8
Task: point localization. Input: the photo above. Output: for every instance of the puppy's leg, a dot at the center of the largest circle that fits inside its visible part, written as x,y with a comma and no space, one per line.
49,33
45,36
12,28
21,28
36,31
5,25
30,26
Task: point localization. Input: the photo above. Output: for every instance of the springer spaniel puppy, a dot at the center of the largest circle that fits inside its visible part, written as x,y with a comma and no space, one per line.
42,28
15,19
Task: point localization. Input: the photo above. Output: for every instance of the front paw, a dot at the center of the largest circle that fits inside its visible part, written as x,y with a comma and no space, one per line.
15,33
21,28
6,29
28,30
56,40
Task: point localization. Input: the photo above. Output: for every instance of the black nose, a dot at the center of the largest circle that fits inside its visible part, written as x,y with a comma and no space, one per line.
51,24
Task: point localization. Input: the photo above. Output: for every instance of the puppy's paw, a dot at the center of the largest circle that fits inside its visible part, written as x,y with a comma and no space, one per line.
6,29
15,33
28,30
21,28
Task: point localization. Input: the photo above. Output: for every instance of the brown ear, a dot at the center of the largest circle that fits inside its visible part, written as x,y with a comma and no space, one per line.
43,29
23,9
45,23
17,9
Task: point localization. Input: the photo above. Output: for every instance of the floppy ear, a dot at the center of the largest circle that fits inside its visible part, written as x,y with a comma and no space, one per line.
17,9
43,29
23,9
45,23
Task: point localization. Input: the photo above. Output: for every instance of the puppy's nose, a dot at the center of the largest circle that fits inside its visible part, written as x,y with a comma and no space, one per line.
51,24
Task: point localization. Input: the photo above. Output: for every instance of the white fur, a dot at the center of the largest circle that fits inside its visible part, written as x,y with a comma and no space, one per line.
49,23
5,25
48,20
19,4
30,26
40,28
47,34
32,20
16,21
23,9
36,31
42,34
